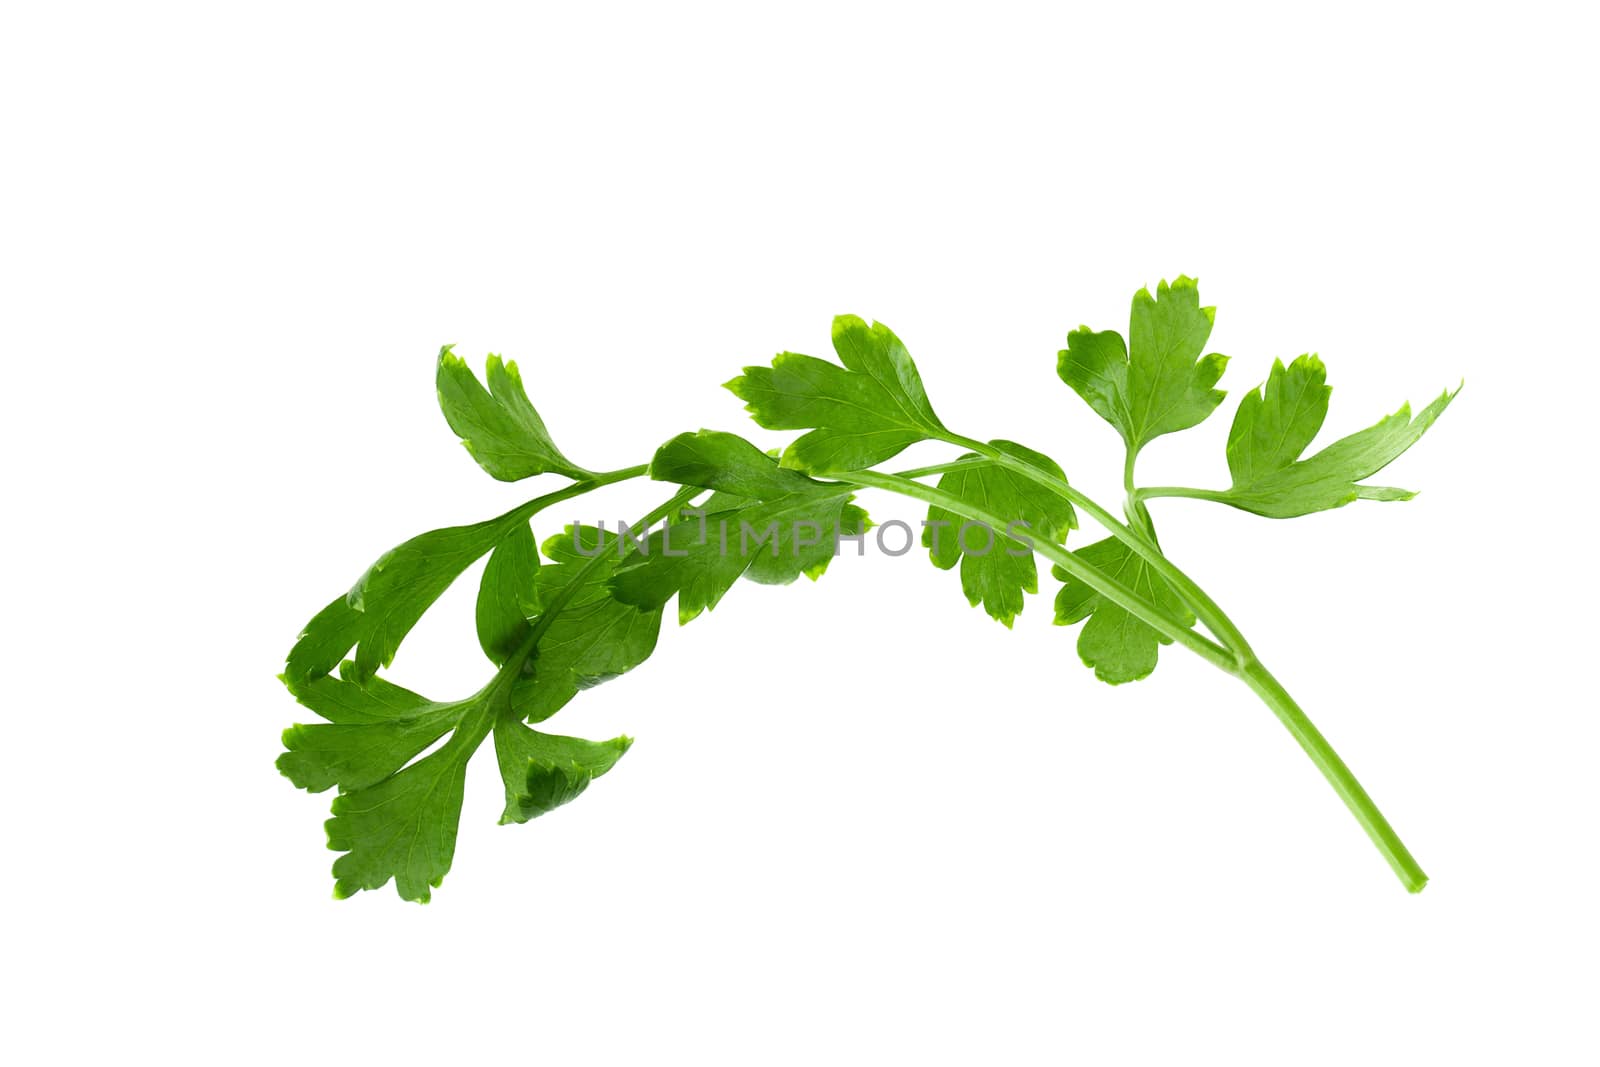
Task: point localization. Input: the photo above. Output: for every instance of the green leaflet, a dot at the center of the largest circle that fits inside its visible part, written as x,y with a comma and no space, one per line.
764,522
508,595
371,732
393,818
323,755
997,577
1275,424
544,771
726,463
374,700
1157,383
1114,642
498,425
859,414
383,606
593,638
404,827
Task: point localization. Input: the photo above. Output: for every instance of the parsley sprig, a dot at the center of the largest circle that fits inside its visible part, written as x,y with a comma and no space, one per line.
584,607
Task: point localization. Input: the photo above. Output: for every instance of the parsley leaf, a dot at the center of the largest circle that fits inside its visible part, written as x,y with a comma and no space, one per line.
862,413
1275,424
1157,383
544,771
372,731
765,522
998,576
594,637
404,827
508,595
393,818
340,700
1114,642
498,425
383,606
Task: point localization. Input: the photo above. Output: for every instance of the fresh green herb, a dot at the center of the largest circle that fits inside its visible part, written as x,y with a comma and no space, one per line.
592,609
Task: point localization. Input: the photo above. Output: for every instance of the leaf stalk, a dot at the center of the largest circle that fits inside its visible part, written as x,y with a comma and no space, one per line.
1236,658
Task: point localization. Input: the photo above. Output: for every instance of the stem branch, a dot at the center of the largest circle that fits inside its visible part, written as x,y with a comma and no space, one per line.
1209,613
1087,573
1149,492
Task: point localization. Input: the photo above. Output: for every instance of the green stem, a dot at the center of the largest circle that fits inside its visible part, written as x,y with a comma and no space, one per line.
532,507
1087,573
611,477
1138,515
1149,492
1207,609
478,721
1242,665
1338,775
945,468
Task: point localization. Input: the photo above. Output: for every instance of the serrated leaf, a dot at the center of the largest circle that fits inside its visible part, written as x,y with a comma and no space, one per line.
508,595
323,755
340,701
372,732
770,524
498,425
1277,422
999,569
726,463
1158,382
544,771
859,414
404,827
1114,642
323,642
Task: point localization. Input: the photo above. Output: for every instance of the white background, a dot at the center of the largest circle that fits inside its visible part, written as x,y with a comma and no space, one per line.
861,823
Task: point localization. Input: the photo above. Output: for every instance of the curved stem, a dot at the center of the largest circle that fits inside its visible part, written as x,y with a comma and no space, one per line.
1209,612
1090,575
529,509
610,477
1236,660
1338,775
1138,514
945,468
